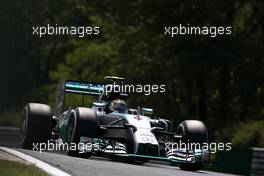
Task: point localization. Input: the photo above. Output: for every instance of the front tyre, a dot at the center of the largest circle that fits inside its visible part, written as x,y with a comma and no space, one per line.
193,131
82,122
36,125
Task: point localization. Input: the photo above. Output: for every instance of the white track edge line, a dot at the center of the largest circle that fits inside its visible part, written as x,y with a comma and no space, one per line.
38,163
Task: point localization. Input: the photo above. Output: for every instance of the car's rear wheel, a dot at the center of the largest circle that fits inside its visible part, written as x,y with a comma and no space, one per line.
193,131
36,125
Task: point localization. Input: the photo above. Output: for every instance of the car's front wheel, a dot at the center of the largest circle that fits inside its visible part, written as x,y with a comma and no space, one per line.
82,122
193,131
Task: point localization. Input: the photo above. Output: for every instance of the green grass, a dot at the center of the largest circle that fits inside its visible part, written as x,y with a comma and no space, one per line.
10,118
12,168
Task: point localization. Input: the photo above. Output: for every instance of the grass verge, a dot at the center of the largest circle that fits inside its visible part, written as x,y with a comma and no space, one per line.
12,168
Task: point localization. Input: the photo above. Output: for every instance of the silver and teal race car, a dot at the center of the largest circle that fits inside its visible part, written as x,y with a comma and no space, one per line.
110,128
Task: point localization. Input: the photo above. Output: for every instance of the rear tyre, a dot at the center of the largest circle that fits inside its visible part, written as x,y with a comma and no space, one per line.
36,125
82,122
193,131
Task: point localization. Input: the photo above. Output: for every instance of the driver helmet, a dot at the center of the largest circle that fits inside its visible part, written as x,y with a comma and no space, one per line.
118,106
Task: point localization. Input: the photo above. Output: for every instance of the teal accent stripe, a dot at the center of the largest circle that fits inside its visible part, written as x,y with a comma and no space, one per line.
84,88
150,157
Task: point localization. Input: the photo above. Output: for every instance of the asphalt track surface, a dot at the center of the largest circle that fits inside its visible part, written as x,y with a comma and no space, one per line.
97,166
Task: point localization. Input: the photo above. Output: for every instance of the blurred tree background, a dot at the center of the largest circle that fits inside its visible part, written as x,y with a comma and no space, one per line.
216,80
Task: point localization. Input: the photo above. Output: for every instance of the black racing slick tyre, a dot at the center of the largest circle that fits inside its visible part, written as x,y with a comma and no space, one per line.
36,125
193,131
87,122
82,122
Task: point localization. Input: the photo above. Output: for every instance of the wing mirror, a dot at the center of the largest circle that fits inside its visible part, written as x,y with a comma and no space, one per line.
96,104
132,111
147,111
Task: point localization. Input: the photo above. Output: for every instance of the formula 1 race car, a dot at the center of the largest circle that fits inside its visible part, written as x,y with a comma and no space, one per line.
111,128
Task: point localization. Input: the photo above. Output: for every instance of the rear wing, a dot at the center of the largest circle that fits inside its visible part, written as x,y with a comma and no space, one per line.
84,88
75,87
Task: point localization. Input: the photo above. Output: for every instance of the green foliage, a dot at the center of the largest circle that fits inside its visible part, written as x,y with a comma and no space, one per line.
87,60
10,118
249,134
